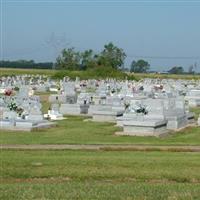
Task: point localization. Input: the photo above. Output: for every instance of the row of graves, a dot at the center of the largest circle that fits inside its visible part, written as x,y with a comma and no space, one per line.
20,109
147,108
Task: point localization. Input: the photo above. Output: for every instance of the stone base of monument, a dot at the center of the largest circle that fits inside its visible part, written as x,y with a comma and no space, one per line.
176,122
6,123
125,117
120,121
24,125
84,108
93,108
106,116
99,107
144,128
32,117
70,109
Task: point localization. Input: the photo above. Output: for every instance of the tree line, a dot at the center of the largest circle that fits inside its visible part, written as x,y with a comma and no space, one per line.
111,57
25,64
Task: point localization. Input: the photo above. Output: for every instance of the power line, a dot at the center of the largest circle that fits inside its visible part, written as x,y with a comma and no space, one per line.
166,57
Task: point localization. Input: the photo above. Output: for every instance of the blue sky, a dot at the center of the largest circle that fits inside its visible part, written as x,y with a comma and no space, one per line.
165,33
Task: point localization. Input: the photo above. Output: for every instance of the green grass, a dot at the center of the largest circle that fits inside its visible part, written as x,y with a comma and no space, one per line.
73,74
101,165
96,73
76,131
59,74
168,76
196,110
95,190
99,175
44,93
13,71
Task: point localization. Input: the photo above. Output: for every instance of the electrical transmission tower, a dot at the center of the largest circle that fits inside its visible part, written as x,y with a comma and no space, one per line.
57,43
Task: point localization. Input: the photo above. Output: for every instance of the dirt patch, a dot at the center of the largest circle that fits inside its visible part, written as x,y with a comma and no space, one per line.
105,147
111,181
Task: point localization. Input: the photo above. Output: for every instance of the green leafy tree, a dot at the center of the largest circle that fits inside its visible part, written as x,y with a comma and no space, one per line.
176,70
88,60
140,66
69,59
112,56
25,64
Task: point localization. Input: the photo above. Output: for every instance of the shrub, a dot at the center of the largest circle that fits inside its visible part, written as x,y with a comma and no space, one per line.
97,73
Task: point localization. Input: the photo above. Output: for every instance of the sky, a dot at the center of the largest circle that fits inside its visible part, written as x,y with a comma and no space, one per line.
165,33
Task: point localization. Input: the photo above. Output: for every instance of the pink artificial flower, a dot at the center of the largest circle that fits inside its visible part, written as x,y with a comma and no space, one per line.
8,92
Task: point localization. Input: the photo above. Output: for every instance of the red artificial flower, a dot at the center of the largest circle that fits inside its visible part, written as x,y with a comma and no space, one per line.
8,92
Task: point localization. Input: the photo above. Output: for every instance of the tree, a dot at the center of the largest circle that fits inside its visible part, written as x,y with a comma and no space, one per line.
140,66
69,59
176,70
88,59
112,56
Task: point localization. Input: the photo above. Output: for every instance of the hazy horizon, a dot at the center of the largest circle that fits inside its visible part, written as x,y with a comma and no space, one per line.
165,33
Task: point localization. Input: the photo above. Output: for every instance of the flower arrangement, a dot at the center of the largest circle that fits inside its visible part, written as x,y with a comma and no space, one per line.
19,111
13,107
141,109
16,88
8,92
158,87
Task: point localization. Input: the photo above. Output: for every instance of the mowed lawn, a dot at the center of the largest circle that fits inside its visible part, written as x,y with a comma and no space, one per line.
99,175
75,130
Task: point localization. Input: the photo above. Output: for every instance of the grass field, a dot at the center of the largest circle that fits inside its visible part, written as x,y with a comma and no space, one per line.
167,76
99,175
11,71
98,190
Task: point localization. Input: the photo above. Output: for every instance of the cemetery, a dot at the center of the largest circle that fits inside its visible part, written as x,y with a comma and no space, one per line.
126,108
149,107
127,117
99,100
